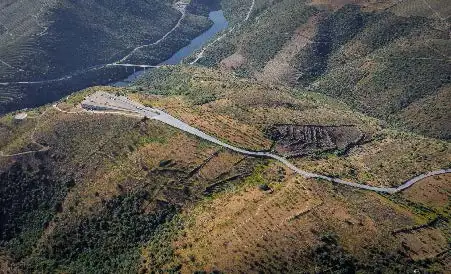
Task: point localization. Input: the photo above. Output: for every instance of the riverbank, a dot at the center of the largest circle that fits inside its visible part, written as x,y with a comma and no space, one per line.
37,92
219,24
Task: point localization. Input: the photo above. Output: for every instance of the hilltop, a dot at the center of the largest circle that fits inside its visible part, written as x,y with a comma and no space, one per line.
117,193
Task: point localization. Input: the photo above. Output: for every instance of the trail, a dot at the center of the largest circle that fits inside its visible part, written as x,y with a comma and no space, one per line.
248,15
77,73
202,52
10,66
436,13
182,9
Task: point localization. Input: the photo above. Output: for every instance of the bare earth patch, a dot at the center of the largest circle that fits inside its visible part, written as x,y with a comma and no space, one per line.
280,68
433,191
298,140
424,243
232,62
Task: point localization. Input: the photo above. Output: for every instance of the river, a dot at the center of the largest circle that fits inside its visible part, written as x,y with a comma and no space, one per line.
219,24
42,92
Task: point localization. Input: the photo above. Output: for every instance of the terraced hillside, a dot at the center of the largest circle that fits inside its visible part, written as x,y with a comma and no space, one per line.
115,193
47,39
70,42
389,59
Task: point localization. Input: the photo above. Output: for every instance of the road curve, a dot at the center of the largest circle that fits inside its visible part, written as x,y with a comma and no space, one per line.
102,100
182,9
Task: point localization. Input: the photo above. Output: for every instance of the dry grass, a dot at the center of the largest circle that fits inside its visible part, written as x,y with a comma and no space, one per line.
236,226
431,114
249,229
281,69
232,62
425,8
219,165
7,266
431,192
424,243
389,160
131,172
247,108
244,228
15,135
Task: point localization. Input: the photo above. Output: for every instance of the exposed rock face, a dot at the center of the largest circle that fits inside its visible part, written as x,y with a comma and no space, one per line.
297,140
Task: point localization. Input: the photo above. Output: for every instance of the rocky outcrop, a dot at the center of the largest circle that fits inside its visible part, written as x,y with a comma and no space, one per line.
298,140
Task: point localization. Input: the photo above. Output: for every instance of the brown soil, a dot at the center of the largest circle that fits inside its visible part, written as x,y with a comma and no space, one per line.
232,62
423,243
433,191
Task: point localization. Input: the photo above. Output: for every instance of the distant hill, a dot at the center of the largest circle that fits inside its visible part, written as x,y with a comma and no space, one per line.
48,39
390,59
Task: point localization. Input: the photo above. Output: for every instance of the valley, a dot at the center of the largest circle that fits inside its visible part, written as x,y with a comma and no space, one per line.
257,136
384,58
141,57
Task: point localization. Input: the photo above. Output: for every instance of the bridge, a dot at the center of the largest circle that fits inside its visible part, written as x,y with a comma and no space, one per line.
132,65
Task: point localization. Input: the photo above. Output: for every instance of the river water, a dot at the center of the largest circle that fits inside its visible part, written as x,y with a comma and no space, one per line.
39,94
219,24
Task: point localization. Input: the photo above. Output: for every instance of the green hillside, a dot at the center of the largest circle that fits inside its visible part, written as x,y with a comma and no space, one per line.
384,58
321,104
120,194
45,40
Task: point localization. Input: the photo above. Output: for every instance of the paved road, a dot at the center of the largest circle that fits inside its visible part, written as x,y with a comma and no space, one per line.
101,101
179,6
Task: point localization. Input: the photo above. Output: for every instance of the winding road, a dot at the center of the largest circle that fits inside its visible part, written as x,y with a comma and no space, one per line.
179,6
103,102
